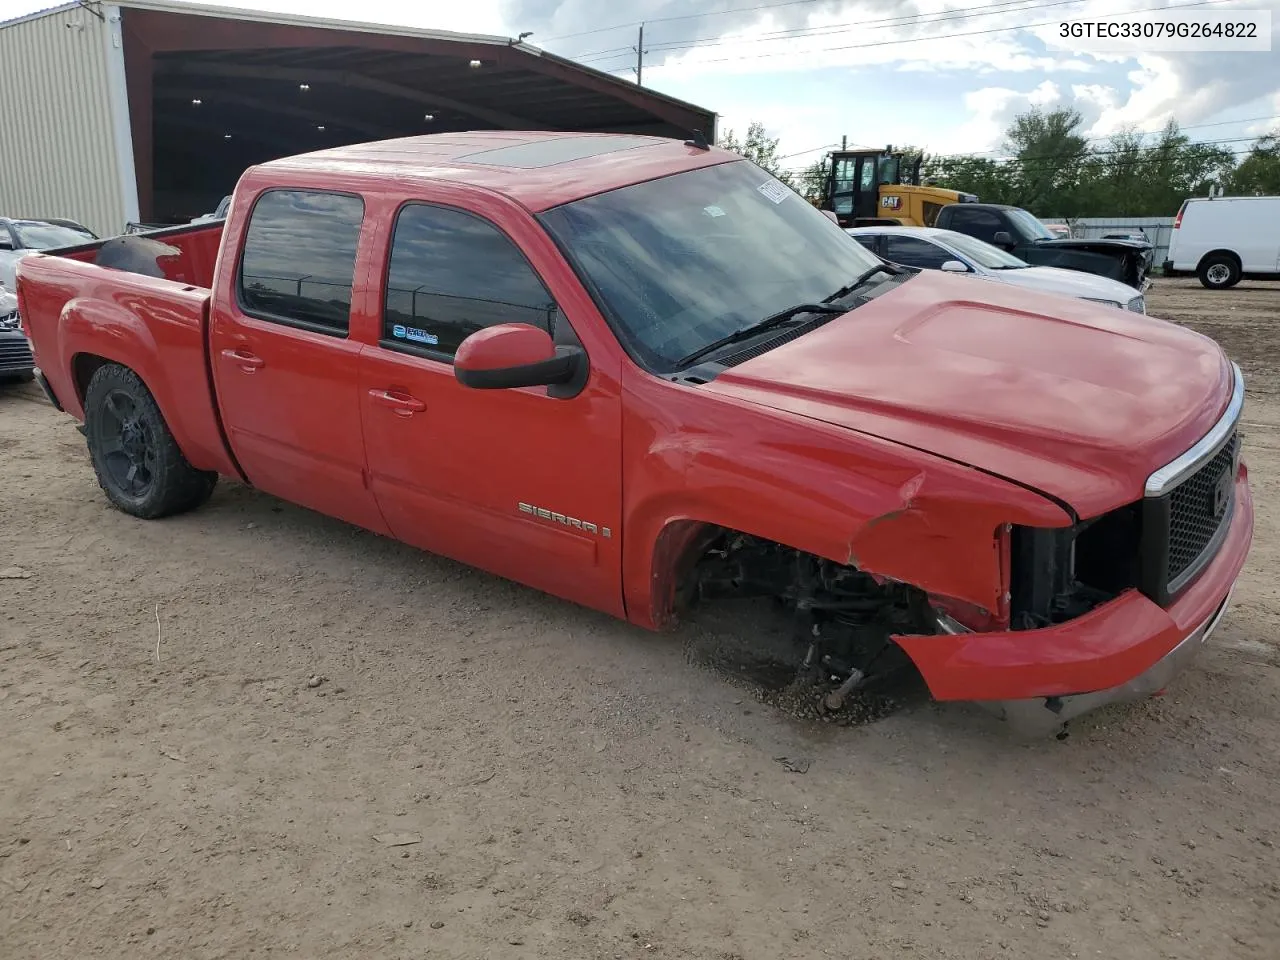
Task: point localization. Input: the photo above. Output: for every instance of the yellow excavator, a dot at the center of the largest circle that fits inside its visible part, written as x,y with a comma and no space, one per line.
869,187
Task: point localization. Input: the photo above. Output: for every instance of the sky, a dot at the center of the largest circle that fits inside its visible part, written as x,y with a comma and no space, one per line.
947,76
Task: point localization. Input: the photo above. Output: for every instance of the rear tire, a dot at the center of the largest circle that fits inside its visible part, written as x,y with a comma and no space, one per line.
138,462
1218,272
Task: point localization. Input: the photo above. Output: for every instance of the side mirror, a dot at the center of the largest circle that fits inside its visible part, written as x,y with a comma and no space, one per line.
513,355
1003,239
954,266
831,215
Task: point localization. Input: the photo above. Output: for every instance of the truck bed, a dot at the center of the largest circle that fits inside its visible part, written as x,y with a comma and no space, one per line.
79,315
197,248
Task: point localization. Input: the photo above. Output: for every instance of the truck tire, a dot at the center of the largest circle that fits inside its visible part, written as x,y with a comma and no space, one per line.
139,465
1219,271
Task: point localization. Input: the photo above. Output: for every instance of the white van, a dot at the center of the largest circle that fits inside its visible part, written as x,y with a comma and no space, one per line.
1225,239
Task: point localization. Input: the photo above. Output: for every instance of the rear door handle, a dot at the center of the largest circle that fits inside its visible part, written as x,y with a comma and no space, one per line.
248,362
403,404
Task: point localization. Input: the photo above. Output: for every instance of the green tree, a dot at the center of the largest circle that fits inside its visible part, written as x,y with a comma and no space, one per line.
1259,173
811,182
758,147
1048,154
988,179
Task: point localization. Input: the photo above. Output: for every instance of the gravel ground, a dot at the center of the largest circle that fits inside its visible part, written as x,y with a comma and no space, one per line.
254,731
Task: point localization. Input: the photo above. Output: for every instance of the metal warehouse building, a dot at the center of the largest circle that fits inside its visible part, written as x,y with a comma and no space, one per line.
149,110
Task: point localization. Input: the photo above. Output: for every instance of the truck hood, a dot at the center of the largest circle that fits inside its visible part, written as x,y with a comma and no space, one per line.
1124,260
1080,401
1097,246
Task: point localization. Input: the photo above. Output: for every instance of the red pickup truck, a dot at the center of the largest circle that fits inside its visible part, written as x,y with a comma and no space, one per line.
642,374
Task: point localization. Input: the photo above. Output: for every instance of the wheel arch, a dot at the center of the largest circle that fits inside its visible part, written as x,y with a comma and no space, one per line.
928,530
93,333
1220,252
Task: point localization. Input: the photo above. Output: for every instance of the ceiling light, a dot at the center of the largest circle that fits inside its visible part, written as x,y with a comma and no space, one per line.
320,127
196,103
474,64
428,117
226,136
304,86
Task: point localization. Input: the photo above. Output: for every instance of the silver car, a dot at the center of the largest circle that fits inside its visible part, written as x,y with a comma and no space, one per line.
932,249
20,237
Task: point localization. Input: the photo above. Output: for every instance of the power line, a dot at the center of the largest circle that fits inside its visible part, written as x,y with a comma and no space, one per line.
1023,161
969,33
888,23
1145,133
800,153
684,16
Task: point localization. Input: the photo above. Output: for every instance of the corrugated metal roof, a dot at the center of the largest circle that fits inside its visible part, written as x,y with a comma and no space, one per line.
353,26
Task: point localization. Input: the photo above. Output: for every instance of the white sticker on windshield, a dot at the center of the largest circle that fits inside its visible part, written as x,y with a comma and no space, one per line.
713,211
775,190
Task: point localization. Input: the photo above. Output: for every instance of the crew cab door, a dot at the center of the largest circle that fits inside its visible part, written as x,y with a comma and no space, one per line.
512,481
284,365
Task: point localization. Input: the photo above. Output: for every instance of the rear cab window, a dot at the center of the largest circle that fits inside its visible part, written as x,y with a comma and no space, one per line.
298,263
450,274
982,224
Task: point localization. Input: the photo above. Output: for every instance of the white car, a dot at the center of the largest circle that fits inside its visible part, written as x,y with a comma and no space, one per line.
933,249
1223,240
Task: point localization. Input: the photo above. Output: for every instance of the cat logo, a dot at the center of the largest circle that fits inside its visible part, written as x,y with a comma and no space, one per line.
891,203
543,514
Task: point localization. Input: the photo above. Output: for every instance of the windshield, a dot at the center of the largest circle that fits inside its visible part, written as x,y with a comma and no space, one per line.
1029,225
684,260
982,253
37,235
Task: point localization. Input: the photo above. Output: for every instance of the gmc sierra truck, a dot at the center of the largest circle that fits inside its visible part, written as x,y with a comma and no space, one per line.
1016,231
643,375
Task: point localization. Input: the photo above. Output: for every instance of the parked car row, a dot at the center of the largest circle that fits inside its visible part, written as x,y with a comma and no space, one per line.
930,248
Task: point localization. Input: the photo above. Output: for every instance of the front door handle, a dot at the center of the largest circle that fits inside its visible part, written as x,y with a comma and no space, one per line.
401,403
248,362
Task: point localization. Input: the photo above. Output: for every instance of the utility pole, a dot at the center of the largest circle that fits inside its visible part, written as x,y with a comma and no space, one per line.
640,52
844,142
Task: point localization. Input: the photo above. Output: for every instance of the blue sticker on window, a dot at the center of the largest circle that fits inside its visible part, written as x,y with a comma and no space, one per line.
414,333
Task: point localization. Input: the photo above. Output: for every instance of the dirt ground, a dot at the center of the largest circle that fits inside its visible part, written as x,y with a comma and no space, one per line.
172,786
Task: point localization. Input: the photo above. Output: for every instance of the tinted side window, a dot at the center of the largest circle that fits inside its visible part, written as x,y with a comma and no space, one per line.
451,274
982,224
867,240
914,252
299,259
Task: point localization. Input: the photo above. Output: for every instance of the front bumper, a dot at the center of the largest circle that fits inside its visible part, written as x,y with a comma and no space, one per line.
1124,649
1042,716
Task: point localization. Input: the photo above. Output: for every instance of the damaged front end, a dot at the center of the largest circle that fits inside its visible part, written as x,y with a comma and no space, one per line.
1107,610
842,620
1039,624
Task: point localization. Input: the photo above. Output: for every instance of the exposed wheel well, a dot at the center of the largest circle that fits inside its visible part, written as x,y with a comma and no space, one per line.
842,618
